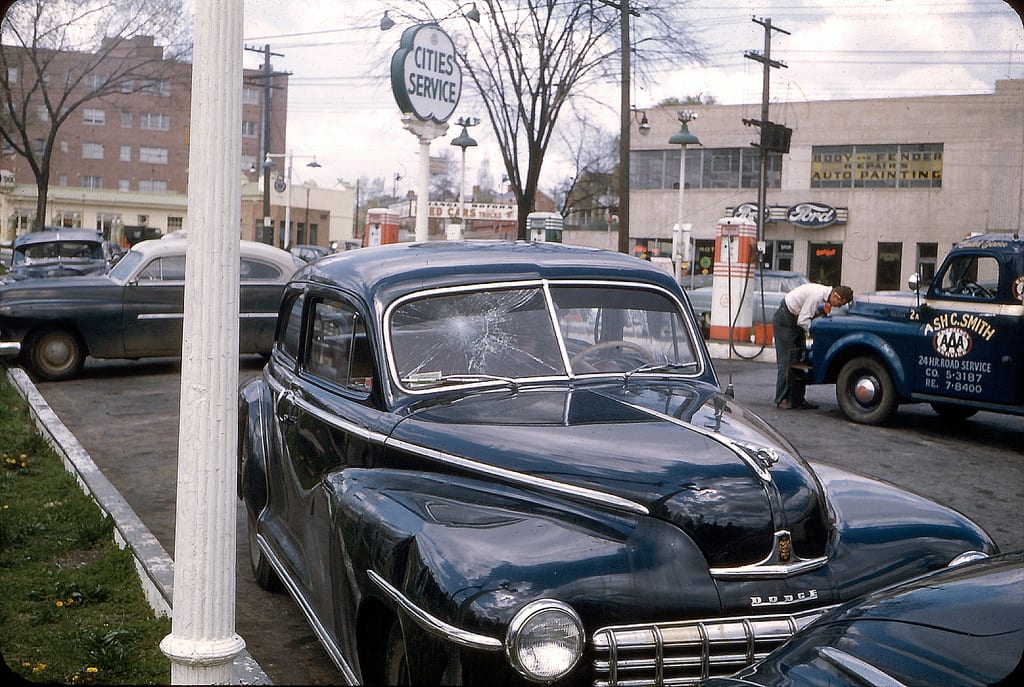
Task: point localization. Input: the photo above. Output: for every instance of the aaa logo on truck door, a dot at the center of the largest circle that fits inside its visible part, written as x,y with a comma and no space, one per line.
952,342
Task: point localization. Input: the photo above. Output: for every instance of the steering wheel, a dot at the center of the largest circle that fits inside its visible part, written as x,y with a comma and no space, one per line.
973,288
604,345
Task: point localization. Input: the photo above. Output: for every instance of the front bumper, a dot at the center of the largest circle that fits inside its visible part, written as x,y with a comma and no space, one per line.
9,349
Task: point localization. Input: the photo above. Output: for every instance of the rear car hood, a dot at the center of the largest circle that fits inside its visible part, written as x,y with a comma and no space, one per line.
687,455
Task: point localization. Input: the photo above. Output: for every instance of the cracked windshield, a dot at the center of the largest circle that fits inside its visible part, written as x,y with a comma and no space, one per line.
509,334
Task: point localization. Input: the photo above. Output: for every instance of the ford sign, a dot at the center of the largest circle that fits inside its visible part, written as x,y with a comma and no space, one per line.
811,215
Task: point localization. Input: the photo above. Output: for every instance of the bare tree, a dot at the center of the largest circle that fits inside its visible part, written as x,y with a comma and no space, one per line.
56,56
594,156
528,59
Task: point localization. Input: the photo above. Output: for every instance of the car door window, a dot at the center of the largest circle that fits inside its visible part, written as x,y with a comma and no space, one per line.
170,268
290,329
971,276
338,350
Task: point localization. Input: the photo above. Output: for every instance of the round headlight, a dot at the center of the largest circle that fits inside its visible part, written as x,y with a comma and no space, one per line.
545,640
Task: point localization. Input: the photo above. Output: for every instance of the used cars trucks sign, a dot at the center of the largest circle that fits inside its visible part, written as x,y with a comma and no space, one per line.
425,74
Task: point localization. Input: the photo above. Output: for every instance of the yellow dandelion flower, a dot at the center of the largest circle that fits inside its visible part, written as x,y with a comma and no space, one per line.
60,604
92,669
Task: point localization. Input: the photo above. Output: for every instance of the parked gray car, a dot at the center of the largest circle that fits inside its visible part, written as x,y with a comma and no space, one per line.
60,252
135,310
776,284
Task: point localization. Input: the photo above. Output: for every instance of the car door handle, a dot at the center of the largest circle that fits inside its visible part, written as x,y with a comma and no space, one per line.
285,409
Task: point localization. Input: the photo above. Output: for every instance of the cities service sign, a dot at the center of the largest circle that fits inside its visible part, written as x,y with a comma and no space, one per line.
425,74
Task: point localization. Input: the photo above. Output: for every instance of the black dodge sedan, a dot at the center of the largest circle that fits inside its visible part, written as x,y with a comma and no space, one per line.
512,463
135,310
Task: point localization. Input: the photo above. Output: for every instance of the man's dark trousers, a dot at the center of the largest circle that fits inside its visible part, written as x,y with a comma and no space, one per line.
789,345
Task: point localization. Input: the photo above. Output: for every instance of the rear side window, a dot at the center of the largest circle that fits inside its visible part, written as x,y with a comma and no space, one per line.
255,270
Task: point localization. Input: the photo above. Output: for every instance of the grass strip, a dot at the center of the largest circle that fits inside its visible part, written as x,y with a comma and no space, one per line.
72,610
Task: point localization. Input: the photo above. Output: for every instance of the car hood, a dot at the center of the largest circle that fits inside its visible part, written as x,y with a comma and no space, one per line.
686,454
35,288
65,268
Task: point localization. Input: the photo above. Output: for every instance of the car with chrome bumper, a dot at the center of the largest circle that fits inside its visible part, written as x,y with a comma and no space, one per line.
961,626
136,310
512,463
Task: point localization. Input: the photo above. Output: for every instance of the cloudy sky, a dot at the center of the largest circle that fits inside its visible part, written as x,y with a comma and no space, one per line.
341,108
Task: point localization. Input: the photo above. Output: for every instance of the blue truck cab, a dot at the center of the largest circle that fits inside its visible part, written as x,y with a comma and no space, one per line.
957,343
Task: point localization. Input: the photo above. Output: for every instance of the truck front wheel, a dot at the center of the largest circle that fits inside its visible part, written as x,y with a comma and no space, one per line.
865,391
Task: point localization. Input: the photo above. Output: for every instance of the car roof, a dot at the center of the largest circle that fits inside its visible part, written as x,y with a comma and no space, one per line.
997,243
389,271
51,234
155,247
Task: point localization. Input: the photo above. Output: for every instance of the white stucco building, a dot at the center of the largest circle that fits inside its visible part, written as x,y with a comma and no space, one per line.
905,177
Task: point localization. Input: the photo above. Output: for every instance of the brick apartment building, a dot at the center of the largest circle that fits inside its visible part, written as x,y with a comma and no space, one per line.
128,150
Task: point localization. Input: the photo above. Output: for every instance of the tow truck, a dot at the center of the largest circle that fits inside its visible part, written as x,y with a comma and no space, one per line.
958,346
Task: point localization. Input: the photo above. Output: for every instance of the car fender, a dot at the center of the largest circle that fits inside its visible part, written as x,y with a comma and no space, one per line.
827,361
466,552
884,531
253,425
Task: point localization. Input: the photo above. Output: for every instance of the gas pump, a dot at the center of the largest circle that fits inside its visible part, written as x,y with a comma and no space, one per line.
545,227
381,227
731,290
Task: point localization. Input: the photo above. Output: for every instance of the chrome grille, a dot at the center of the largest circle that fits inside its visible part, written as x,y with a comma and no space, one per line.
686,653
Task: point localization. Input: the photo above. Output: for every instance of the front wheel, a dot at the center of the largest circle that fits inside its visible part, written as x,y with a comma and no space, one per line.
396,662
55,354
865,391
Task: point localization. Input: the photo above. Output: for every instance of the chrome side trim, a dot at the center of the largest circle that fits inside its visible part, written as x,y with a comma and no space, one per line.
178,315
592,495
332,420
433,624
781,562
862,670
742,451
333,650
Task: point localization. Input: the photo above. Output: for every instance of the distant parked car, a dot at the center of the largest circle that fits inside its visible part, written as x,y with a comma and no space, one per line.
59,252
133,311
308,253
961,626
776,284
513,463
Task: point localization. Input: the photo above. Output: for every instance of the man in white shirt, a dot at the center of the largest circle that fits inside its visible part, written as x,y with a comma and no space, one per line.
791,325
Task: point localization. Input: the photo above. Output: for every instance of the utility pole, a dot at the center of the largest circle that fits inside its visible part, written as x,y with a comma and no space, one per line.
625,115
267,77
768,129
624,121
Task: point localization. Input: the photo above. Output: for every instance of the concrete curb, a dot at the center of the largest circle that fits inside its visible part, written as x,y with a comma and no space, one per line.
154,567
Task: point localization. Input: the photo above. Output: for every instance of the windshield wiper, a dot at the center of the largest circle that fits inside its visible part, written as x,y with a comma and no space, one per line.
658,367
437,379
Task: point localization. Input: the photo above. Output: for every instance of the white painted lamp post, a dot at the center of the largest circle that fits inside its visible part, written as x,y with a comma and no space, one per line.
681,231
463,140
269,162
